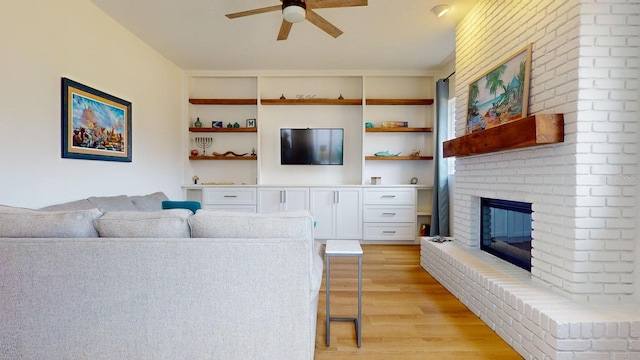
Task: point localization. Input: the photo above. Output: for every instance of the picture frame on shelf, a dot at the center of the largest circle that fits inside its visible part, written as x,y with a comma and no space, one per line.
95,125
251,123
216,124
501,94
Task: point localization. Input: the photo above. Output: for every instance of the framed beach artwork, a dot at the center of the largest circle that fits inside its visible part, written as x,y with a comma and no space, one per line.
95,125
501,94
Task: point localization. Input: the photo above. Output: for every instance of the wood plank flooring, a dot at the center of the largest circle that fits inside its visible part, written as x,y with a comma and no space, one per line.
406,314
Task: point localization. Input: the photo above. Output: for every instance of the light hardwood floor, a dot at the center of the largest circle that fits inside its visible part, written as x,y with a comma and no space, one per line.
406,314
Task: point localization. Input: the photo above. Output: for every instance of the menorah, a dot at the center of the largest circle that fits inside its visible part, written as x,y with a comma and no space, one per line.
204,143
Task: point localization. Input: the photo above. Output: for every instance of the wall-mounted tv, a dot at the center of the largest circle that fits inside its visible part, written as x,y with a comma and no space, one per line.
317,146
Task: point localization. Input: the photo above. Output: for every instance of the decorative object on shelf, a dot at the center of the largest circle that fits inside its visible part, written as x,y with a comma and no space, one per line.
194,152
376,180
394,124
340,97
229,125
195,179
386,153
415,153
282,97
229,153
368,125
197,123
216,124
236,125
501,94
306,96
204,143
414,180
95,125
253,151
251,123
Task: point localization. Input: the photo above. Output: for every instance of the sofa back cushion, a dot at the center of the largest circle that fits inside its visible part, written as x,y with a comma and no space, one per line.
26,223
224,224
144,224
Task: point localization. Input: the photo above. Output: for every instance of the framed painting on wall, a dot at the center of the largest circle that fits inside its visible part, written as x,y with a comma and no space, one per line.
95,125
501,94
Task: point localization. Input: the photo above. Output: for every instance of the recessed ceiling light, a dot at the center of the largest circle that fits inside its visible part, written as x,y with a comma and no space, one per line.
440,10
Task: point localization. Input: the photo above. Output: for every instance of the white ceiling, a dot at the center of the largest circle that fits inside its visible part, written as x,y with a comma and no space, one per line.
385,35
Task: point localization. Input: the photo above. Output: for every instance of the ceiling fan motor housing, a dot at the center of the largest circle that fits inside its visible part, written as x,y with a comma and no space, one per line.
293,10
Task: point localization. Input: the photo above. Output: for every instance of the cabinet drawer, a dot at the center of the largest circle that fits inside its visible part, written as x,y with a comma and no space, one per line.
389,231
389,196
232,208
230,196
381,213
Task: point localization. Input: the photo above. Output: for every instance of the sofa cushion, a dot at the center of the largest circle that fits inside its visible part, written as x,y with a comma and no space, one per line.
224,224
144,224
25,223
112,203
83,204
150,202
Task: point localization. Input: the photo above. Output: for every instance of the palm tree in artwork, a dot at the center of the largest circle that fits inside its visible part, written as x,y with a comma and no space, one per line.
473,93
494,79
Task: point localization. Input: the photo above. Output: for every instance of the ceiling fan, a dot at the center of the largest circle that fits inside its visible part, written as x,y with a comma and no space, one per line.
298,10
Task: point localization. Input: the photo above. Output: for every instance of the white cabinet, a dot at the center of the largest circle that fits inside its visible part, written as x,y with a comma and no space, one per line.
389,214
282,199
337,212
228,198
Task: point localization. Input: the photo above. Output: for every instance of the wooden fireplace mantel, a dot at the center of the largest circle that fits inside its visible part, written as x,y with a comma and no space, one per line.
528,131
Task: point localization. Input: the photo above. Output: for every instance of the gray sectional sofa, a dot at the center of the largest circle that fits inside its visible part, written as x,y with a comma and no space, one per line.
119,278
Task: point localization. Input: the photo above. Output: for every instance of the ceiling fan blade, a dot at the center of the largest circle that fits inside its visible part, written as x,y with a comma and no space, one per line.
323,24
319,4
284,30
255,11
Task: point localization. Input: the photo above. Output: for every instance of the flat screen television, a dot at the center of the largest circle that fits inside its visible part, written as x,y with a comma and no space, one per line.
317,146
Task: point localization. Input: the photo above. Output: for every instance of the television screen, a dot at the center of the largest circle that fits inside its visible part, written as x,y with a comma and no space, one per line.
311,146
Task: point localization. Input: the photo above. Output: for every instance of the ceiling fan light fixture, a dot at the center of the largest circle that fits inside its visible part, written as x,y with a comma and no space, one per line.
294,11
440,10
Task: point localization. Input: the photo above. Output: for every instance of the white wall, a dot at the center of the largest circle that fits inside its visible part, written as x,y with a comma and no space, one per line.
585,60
43,41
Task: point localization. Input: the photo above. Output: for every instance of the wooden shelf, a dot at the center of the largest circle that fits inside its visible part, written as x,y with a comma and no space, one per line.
532,130
223,130
223,101
211,157
311,101
399,101
398,129
373,157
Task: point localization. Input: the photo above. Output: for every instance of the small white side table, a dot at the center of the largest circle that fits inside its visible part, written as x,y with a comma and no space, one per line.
344,248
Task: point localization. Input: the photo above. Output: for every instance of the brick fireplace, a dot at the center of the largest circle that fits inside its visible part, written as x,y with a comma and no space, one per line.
583,191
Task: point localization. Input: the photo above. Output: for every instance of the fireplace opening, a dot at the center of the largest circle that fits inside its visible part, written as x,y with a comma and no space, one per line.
505,228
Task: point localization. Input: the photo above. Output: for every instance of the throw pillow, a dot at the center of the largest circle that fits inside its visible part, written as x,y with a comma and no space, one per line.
144,224
151,202
25,223
190,205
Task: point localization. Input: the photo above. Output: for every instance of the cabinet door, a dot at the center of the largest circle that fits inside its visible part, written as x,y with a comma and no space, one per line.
269,200
348,213
324,211
295,199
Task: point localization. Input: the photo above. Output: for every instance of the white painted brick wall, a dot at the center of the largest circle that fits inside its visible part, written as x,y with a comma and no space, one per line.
585,65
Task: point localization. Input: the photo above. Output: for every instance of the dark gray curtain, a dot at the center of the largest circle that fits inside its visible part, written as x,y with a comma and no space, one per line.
440,212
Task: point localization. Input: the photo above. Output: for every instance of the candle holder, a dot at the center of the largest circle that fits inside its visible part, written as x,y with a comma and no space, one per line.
204,143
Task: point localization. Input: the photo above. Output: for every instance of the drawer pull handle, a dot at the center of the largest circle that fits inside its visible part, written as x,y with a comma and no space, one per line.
231,196
388,232
388,214
388,196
